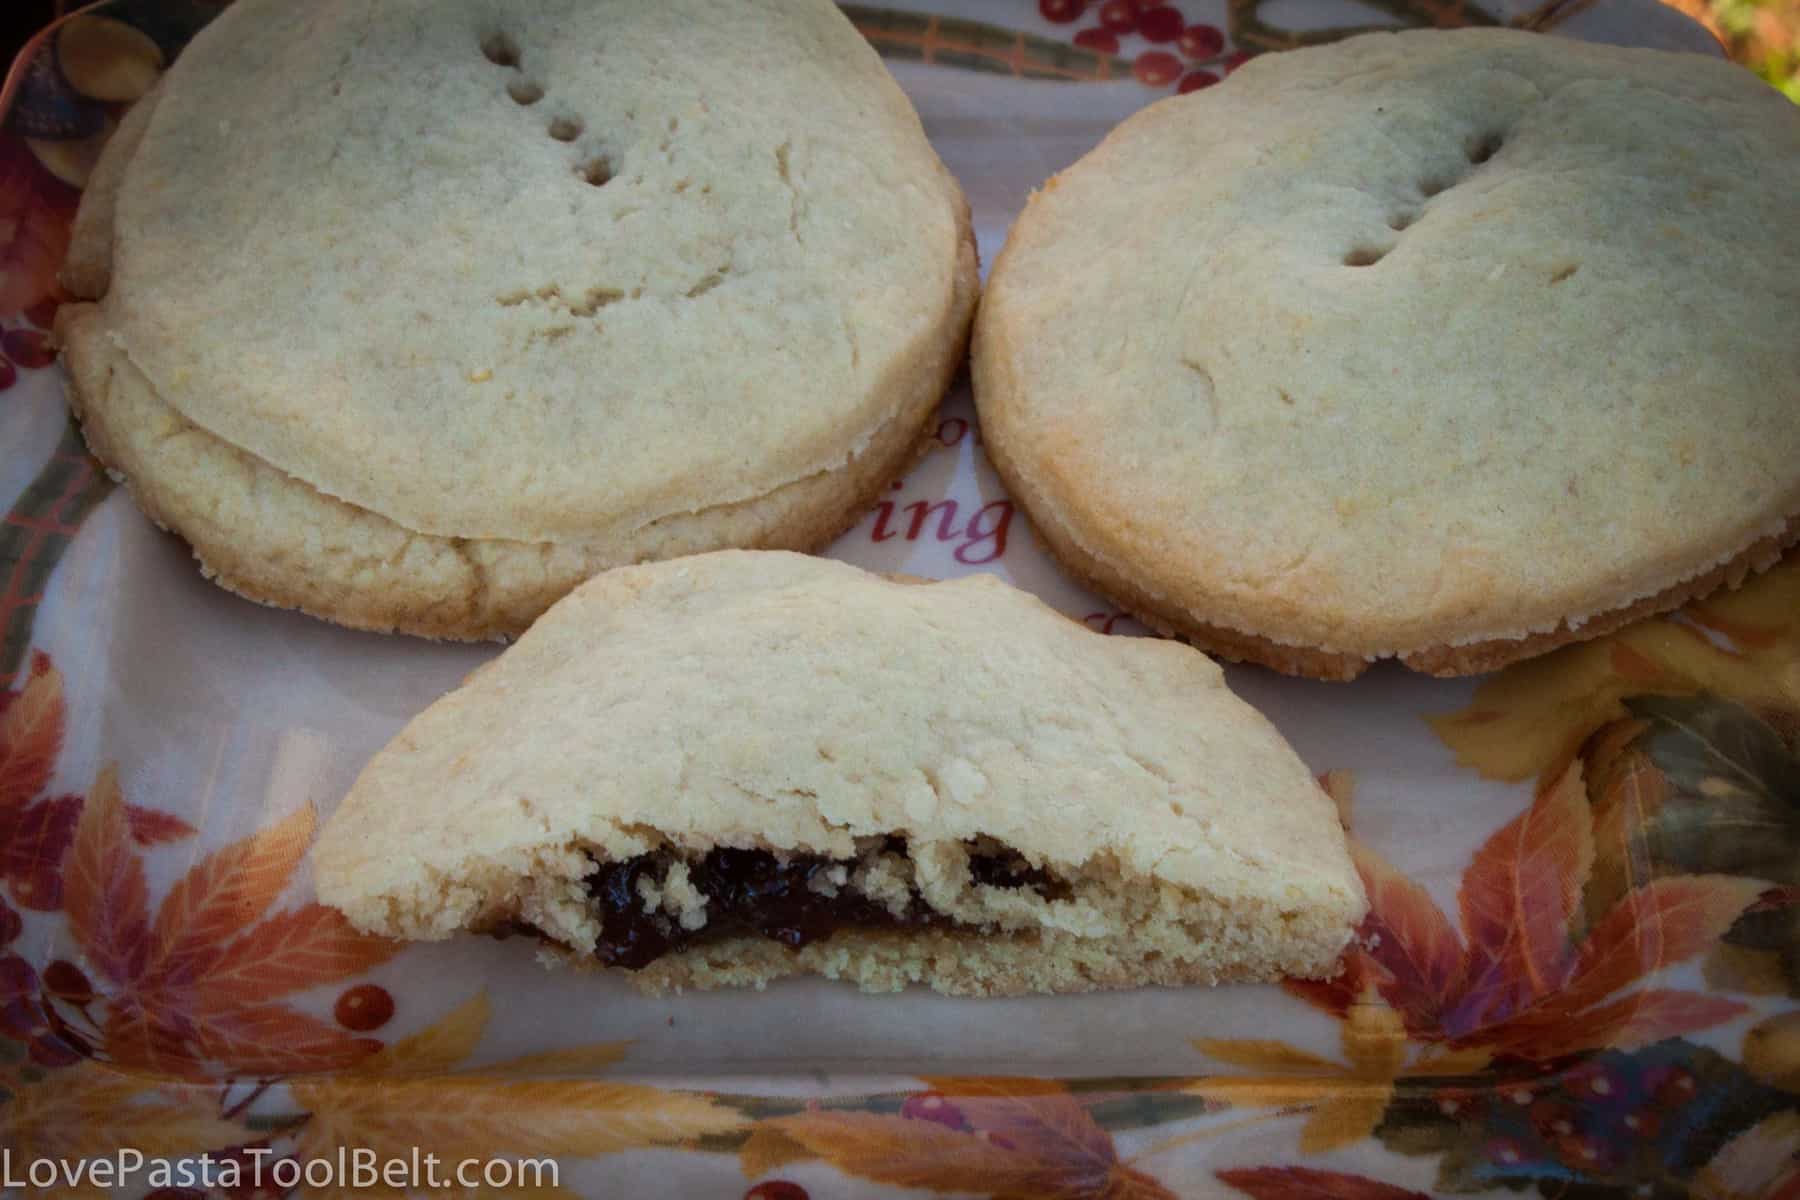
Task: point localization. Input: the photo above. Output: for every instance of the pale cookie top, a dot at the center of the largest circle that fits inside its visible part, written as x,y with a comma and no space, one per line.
534,271
771,699
1418,339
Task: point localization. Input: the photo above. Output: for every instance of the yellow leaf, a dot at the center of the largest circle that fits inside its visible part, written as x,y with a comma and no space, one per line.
463,1116
1262,1054
1532,716
1374,1040
438,1047
89,1111
768,1149
108,59
1451,1062
1345,1119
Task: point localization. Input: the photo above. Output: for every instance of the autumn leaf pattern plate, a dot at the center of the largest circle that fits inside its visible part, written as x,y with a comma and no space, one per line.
1577,978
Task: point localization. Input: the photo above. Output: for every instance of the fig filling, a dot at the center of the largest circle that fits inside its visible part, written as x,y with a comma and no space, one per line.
794,901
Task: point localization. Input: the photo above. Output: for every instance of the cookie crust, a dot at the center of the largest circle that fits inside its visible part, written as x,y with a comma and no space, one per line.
773,702
1454,369
319,510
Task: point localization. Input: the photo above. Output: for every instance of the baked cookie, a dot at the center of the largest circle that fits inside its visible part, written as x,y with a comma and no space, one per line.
414,315
1446,346
742,765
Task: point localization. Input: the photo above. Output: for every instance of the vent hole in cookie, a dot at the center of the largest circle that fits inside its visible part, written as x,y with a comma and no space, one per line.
1431,187
525,91
566,129
500,49
1364,256
596,171
1400,221
1564,272
1484,149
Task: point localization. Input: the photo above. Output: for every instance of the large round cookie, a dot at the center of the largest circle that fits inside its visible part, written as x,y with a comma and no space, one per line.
416,314
1446,346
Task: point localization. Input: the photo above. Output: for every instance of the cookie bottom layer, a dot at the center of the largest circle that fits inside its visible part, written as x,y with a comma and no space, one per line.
273,539
1443,661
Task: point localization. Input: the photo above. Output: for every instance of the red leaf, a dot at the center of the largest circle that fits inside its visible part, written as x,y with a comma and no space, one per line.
103,886
36,209
154,827
1635,1020
1304,1183
1517,898
288,951
33,842
31,728
1666,921
1410,940
224,894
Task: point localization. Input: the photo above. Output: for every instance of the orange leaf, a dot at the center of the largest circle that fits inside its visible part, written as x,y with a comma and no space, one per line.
1038,1117
767,1150
225,893
36,210
103,886
925,1154
289,951
1304,1183
1635,1020
31,734
1410,940
1517,899
272,1039
1666,921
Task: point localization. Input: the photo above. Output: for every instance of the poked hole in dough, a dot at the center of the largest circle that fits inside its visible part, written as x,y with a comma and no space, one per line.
525,91
566,129
596,171
1365,256
500,49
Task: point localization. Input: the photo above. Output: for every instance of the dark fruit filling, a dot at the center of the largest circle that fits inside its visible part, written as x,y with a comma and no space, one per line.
754,892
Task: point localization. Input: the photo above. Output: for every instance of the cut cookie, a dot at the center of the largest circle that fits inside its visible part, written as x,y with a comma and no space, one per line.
743,765
415,315
1446,346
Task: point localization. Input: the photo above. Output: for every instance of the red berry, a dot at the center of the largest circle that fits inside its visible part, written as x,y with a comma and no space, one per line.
932,1106
364,1008
1236,59
1062,11
43,313
776,1189
1159,24
1200,41
27,347
9,924
16,977
22,1020
67,982
9,374
1119,16
1098,39
1193,81
1156,68
1553,1119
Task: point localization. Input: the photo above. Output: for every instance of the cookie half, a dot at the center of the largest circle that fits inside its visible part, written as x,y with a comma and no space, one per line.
742,765
1445,346
416,315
